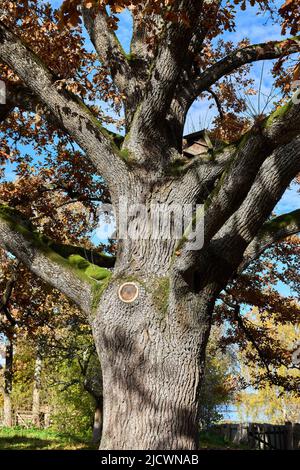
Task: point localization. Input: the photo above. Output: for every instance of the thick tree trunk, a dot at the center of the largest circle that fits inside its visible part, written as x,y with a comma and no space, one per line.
36,395
151,348
152,360
8,379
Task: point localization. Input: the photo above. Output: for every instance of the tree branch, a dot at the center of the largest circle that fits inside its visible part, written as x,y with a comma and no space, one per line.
149,122
253,53
94,257
220,256
203,172
207,21
271,232
241,171
5,110
8,289
276,173
70,273
108,47
251,152
72,114
20,96
249,336
218,103
139,47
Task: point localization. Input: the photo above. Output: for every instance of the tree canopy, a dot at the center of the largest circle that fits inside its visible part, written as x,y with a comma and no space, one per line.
85,122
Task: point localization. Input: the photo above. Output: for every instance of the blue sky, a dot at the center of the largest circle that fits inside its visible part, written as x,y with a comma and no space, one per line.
257,28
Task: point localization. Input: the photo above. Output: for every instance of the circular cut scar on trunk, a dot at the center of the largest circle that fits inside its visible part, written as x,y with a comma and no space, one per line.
128,292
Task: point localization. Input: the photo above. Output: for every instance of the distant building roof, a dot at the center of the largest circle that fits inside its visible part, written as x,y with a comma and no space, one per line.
196,143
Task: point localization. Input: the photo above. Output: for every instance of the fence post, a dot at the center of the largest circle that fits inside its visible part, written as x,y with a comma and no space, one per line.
289,431
251,438
296,435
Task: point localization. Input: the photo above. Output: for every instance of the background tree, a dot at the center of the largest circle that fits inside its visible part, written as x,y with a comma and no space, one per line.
151,351
7,326
260,320
270,402
221,385
45,193
68,375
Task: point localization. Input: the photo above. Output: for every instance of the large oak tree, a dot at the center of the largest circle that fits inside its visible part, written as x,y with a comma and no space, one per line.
152,350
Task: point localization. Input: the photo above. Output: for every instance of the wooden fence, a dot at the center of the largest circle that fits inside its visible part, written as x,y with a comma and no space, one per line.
261,436
253,435
25,419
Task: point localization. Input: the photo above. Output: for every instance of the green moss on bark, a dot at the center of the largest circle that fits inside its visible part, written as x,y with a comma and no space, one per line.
85,270
178,167
282,221
161,293
125,155
98,290
281,111
91,270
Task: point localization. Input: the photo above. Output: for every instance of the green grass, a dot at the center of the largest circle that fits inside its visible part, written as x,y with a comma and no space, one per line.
212,440
18,438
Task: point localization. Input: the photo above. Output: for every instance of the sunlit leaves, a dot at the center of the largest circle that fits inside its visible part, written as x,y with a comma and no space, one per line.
290,12
264,314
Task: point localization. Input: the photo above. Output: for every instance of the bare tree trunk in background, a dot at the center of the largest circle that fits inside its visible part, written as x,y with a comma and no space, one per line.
8,379
47,417
36,398
98,420
92,372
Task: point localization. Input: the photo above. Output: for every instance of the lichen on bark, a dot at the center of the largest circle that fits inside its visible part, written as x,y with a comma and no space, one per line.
160,293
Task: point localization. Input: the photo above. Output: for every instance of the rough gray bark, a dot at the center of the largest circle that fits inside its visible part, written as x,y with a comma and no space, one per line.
152,350
8,326
152,359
